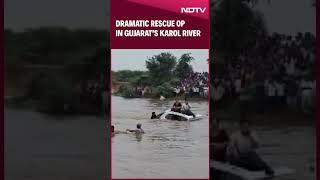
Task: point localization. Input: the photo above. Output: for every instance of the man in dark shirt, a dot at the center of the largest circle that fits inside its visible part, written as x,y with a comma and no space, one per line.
218,147
219,142
291,90
176,106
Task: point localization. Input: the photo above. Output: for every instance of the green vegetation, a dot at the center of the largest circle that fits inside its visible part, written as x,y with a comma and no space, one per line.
161,68
240,31
183,68
164,71
236,25
127,76
164,90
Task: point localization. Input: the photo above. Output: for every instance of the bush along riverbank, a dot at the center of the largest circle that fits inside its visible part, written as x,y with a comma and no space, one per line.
57,70
56,95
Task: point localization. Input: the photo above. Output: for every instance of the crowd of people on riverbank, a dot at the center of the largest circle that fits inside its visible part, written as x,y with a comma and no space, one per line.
276,71
196,84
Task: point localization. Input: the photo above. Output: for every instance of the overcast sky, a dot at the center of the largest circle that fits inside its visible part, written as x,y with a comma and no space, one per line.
284,16
135,59
20,14
289,16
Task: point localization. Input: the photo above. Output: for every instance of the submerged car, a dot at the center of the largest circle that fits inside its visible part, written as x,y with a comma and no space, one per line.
171,115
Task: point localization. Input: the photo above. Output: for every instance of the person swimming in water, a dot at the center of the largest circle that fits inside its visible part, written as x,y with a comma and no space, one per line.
139,130
153,115
156,116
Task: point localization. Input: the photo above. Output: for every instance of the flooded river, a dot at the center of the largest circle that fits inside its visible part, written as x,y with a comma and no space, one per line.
40,147
292,146
169,149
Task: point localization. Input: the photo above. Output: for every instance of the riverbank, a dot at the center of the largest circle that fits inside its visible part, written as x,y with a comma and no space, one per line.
181,98
60,107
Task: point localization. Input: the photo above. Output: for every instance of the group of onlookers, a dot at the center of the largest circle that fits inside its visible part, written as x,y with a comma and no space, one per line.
275,70
196,84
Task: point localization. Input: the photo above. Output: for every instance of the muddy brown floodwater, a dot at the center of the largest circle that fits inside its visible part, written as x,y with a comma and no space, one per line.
292,146
168,149
39,147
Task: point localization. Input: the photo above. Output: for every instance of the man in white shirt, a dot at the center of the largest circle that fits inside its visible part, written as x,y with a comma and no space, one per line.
280,89
290,66
205,91
186,109
271,93
306,88
177,90
271,89
218,92
237,85
242,150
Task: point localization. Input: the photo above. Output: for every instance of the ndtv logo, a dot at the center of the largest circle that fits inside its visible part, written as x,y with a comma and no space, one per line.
193,10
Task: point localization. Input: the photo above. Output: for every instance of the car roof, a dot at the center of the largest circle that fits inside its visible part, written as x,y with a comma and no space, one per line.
176,113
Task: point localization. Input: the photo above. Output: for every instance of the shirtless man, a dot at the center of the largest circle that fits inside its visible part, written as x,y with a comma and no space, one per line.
139,130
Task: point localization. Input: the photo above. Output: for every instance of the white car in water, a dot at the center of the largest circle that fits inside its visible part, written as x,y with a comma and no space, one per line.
171,115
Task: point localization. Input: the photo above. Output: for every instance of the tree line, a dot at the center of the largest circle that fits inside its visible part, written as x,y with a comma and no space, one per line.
164,71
